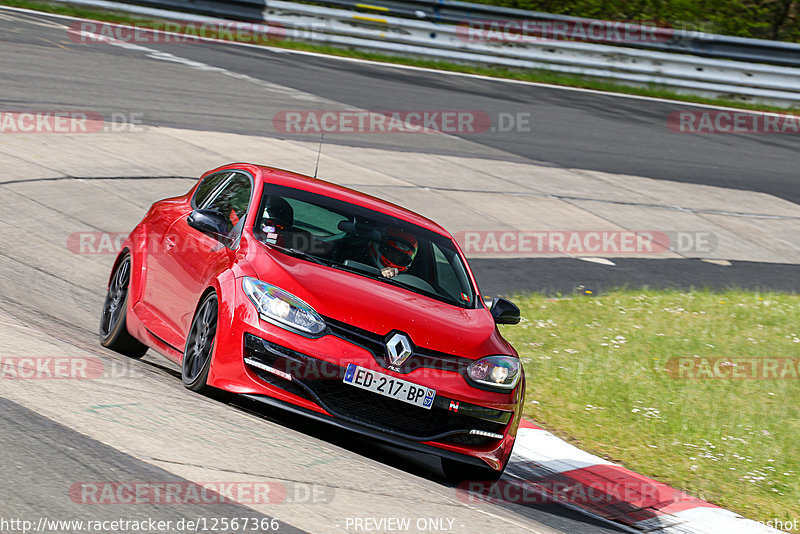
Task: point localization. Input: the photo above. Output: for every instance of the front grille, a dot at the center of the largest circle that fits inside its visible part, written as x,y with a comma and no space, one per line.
382,412
322,382
376,345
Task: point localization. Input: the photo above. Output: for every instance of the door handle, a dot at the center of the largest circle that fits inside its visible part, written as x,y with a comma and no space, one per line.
169,242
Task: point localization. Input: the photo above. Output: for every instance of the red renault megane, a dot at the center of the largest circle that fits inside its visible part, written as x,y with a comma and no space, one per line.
326,302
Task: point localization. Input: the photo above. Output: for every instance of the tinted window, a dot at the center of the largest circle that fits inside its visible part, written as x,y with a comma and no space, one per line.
231,200
206,187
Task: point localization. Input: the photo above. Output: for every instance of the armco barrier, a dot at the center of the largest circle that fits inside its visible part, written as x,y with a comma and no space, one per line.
422,38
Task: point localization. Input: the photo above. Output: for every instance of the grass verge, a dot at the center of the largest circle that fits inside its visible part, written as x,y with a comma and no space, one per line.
604,372
538,76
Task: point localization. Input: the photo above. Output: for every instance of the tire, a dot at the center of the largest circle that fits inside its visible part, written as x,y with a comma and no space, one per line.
200,345
114,333
456,472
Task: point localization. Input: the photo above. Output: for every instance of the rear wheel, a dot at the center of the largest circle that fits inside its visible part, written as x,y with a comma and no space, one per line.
200,345
114,333
456,471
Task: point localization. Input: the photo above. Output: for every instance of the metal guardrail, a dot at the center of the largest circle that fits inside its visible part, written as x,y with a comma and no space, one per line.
418,37
682,41
454,12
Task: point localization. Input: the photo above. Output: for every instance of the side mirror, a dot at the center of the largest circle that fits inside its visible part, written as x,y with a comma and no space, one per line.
209,222
504,311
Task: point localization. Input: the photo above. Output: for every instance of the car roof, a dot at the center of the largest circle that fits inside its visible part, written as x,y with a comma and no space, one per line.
295,180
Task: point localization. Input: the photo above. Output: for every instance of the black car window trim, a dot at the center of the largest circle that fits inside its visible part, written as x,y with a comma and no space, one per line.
236,232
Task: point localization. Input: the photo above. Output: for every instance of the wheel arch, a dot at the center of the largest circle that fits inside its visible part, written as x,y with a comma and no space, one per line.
120,255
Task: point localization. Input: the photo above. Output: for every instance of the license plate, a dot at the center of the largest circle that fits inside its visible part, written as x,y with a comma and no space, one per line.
389,386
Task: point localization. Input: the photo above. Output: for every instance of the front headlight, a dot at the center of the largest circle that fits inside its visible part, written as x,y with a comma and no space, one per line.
496,371
281,307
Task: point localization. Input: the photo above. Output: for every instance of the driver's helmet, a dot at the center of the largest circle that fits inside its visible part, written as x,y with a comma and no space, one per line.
278,215
396,250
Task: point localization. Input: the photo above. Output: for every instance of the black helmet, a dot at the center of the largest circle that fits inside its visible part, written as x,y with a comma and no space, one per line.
277,213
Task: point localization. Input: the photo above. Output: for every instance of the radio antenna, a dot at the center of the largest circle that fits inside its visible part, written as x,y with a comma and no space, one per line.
319,153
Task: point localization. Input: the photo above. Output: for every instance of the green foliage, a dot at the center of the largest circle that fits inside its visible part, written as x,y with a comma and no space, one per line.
761,19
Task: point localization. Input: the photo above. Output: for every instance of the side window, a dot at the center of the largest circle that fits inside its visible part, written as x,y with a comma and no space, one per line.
207,187
232,200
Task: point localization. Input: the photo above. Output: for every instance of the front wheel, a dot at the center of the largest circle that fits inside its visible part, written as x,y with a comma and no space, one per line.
200,345
114,333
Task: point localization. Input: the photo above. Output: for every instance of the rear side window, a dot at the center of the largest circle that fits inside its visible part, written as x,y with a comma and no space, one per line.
208,186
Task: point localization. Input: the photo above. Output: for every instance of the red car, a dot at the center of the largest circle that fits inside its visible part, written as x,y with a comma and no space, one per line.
325,302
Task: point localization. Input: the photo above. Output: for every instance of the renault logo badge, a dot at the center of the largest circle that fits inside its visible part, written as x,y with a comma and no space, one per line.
398,347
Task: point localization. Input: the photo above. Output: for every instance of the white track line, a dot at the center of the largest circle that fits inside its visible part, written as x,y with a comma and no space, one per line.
185,16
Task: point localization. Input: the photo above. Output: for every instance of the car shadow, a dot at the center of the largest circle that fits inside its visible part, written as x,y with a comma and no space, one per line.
427,466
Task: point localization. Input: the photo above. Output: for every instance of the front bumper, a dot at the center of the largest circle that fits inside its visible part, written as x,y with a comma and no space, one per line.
465,423
447,420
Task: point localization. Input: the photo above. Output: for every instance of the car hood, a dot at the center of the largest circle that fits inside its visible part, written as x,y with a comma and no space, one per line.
381,308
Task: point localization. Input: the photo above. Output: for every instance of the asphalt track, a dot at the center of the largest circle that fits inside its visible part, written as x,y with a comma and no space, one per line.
575,129
571,129
56,457
56,434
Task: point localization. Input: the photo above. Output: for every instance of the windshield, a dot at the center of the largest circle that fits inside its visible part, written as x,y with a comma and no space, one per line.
338,234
